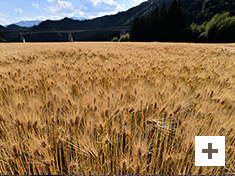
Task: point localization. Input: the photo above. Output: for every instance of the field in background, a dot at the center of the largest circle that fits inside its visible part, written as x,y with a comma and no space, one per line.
114,108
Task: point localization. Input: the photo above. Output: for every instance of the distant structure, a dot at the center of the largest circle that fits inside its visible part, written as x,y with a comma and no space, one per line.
22,34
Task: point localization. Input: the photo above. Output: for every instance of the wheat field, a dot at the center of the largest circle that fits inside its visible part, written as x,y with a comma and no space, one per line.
114,108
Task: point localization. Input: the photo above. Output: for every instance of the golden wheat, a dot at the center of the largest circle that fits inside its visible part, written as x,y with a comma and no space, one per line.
114,108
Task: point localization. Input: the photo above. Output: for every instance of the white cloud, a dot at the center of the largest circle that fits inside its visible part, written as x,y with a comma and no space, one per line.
109,4
18,10
55,18
64,8
106,2
43,18
96,8
91,16
107,13
25,19
2,15
84,8
36,5
139,0
3,21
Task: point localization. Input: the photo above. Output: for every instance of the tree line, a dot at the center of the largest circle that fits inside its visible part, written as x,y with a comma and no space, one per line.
170,26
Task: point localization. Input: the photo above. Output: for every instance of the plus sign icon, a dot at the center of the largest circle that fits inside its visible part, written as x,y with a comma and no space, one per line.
209,150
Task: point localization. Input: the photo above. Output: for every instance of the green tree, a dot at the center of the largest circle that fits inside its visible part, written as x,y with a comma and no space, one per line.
134,30
143,29
148,28
162,23
226,30
114,39
125,38
154,25
139,30
219,29
175,22
2,39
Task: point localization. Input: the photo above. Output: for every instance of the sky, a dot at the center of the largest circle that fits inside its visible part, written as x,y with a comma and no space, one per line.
12,11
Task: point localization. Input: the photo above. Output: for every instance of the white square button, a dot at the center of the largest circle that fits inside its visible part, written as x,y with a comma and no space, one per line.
209,150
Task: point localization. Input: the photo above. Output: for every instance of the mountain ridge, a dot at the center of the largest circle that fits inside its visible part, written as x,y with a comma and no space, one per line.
117,20
196,11
27,24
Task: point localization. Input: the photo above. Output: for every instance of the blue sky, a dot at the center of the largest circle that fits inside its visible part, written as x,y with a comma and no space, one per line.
12,11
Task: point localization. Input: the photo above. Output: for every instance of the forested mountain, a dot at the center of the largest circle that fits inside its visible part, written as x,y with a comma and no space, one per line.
199,11
28,24
170,25
14,27
118,20
195,11
2,28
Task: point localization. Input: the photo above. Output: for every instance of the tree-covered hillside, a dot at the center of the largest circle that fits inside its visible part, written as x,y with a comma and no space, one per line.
195,11
2,28
118,20
199,11
14,27
170,26
1,36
